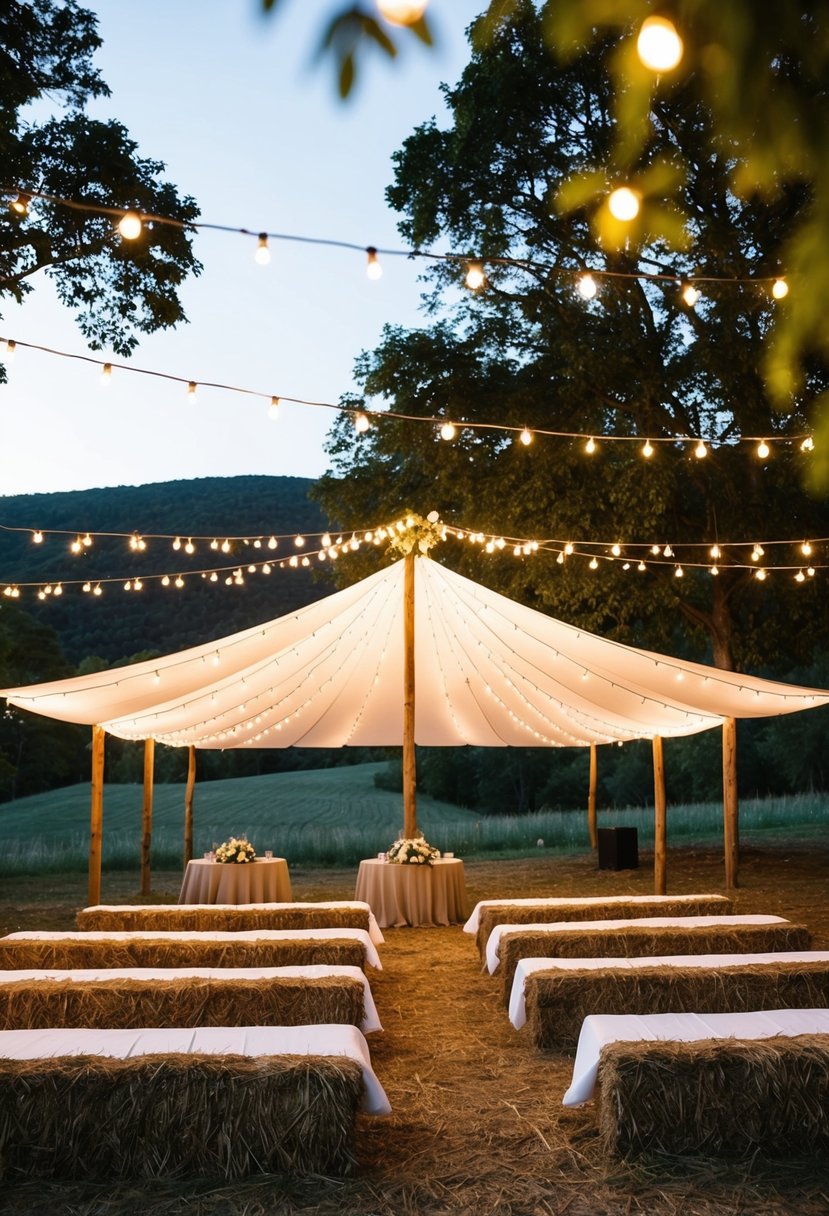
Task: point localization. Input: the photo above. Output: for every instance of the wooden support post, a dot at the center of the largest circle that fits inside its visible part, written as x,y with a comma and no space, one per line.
409,773
147,816
731,814
188,803
659,818
96,817
591,799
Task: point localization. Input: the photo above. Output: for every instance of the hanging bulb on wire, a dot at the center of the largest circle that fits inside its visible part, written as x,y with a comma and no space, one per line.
263,253
690,294
701,451
586,286
762,450
780,289
448,431
130,226
526,437
191,391
106,375
590,446
659,45
402,12
373,268
20,204
361,423
475,277
624,203
273,409
647,449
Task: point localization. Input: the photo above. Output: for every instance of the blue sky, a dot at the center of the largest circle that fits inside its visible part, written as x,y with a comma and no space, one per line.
231,102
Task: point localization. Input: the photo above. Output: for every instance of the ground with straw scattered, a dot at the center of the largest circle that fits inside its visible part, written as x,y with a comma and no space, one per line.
477,1127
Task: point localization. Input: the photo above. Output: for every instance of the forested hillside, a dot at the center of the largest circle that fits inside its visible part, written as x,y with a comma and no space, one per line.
117,624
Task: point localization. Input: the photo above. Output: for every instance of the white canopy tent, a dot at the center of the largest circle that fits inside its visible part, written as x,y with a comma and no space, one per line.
488,672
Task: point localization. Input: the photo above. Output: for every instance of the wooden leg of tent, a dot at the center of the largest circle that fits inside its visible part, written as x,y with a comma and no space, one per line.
147,815
96,818
659,852
409,775
591,799
730,804
188,804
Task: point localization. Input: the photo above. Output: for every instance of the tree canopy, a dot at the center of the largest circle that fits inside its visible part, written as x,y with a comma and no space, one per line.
117,288
638,362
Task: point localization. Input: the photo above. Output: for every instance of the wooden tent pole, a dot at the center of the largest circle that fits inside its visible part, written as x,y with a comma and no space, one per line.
96,817
409,775
147,815
591,799
731,814
188,803
659,852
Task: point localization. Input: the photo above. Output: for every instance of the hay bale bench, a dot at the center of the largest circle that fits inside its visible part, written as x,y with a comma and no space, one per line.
191,996
491,912
259,948
728,1084
212,1102
229,918
646,935
555,996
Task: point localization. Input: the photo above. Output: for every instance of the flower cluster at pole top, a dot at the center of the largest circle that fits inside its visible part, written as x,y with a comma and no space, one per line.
414,534
236,850
415,851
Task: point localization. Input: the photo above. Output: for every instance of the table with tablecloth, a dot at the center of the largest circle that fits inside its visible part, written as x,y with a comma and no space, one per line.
600,1029
404,894
265,880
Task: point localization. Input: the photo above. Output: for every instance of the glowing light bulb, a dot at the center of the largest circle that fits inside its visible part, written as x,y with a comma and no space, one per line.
263,253
806,548
800,577
225,546
810,570
593,564
177,543
299,541
762,450
701,451
165,582
647,450
780,289
273,409
106,375
272,542
679,572
656,550
690,294
714,570
475,277
373,268
616,550
179,581
97,589
191,391
58,590
569,548
130,226
586,286
86,587
11,347
448,431
37,537
760,574
757,552
87,541
361,423
624,204
76,546
641,567
714,551
590,446
808,444
189,547
402,12
526,437
659,45
20,204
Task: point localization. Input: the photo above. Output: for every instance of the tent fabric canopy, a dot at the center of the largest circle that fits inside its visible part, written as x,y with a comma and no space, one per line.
488,672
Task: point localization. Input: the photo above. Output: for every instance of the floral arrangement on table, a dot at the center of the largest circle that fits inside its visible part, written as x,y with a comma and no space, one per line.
236,849
414,851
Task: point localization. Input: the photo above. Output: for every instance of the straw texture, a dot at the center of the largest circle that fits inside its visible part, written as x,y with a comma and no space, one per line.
182,917
177,1116
729,1098
661,939
558,1002
74,953
132,1003
537,914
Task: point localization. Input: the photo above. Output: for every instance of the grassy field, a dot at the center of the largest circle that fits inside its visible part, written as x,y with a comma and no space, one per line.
334,817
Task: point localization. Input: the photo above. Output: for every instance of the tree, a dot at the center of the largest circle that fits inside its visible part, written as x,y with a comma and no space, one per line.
117,288
758,69
637,362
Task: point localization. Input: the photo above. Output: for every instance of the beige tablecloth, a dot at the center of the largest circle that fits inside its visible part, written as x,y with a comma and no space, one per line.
413,895
265,880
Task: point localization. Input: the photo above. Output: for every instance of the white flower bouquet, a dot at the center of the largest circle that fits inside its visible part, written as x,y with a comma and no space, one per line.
238,850
416,851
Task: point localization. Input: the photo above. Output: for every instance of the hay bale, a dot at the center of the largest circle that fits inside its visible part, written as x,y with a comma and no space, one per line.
27,954
656,939
127,1003
220,919
177,1116
535,914
557,1002
722,1098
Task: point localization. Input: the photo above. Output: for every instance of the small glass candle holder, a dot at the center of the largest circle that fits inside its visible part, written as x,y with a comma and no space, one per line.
449,856
382,857
268,854
208,857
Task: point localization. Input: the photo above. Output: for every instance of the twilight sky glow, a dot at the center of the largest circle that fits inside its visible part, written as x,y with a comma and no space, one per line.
231,103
